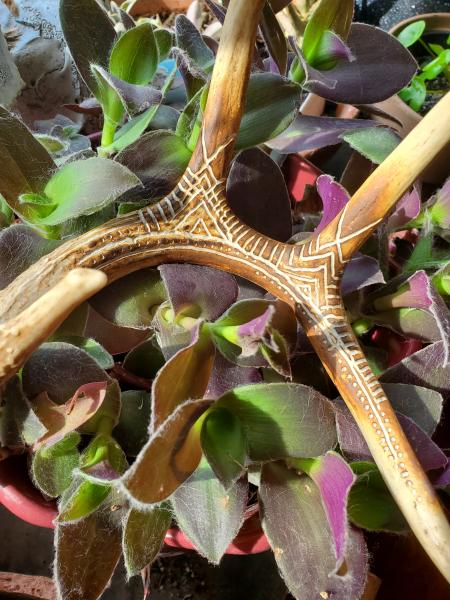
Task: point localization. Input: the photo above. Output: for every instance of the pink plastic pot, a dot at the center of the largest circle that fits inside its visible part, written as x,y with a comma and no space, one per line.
22,499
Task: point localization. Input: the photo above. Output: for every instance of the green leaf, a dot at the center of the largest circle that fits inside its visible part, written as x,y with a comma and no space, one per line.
25,165
112,103
52,144
165,41
84,501
224,445
132,430
132,301
270,107
411,33
189,116
145,359
274,38
90,35
6,214
143,535
52,468
435,67
85,187
414,94
210,516
282,420
375,143
370,505
87,553
334,15
134,57
132,130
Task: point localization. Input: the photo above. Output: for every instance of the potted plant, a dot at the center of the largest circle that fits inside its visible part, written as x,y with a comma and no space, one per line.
207,405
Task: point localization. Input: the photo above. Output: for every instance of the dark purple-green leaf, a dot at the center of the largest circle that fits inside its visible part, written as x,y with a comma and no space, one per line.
370,77
296,525
274,38
90,35
132,429
26,166
257,193
159,159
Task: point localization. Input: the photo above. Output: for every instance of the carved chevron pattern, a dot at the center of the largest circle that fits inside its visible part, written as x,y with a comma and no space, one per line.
196,216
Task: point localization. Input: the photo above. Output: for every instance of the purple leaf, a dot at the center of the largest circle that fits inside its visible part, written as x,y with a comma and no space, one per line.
226,376
423,368
296,525
330,49
361,272
334,197
354,446
419,292
369,78
250,334
443,479
208,290
334,478
257,193
312,133
407,208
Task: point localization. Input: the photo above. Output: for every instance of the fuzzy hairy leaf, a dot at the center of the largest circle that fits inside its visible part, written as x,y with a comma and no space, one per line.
208,514
51,468
84,501
132,429
143,535
298,531
87,553
282,420
134,57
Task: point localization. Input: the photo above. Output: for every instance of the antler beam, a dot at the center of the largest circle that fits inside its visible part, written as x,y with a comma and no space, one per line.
195,224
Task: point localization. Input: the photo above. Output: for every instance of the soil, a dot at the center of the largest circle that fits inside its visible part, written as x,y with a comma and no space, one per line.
440,84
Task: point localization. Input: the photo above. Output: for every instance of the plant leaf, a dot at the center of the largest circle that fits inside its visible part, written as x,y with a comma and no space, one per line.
224,445
334,478
25,164
132,301
202,290
61,419
370,504
274,38
169,457
210,516
269,108
90,35
412,33
257,194
296,525
183,377
329,15
364,80
84,501
85,187
132,429
51,468
143,535
134,57
375,143
282,420
87,553
334,197
159,159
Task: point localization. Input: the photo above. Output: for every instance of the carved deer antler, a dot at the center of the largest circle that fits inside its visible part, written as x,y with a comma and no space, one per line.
195,224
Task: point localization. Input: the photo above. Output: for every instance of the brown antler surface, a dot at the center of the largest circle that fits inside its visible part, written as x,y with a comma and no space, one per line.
195,224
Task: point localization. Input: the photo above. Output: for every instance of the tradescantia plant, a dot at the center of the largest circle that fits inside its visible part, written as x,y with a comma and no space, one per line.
177,391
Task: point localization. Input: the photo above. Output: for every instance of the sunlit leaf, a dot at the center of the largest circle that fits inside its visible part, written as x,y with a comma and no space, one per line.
143,535
87,553
410,34
52,467
134,57
282,420
85,500
185,376
375,143
210,516
224,445
169,457
329,15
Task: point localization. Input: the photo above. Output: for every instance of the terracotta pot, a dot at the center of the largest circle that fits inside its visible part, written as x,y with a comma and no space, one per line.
21,498
437,172
152,7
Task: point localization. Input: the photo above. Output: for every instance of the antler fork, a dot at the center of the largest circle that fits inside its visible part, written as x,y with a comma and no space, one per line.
195,224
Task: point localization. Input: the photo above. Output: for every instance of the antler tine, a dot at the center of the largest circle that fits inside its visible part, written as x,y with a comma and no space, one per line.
23,334
380,192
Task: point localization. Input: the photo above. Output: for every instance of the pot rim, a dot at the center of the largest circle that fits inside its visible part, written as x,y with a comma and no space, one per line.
436,18
22,499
